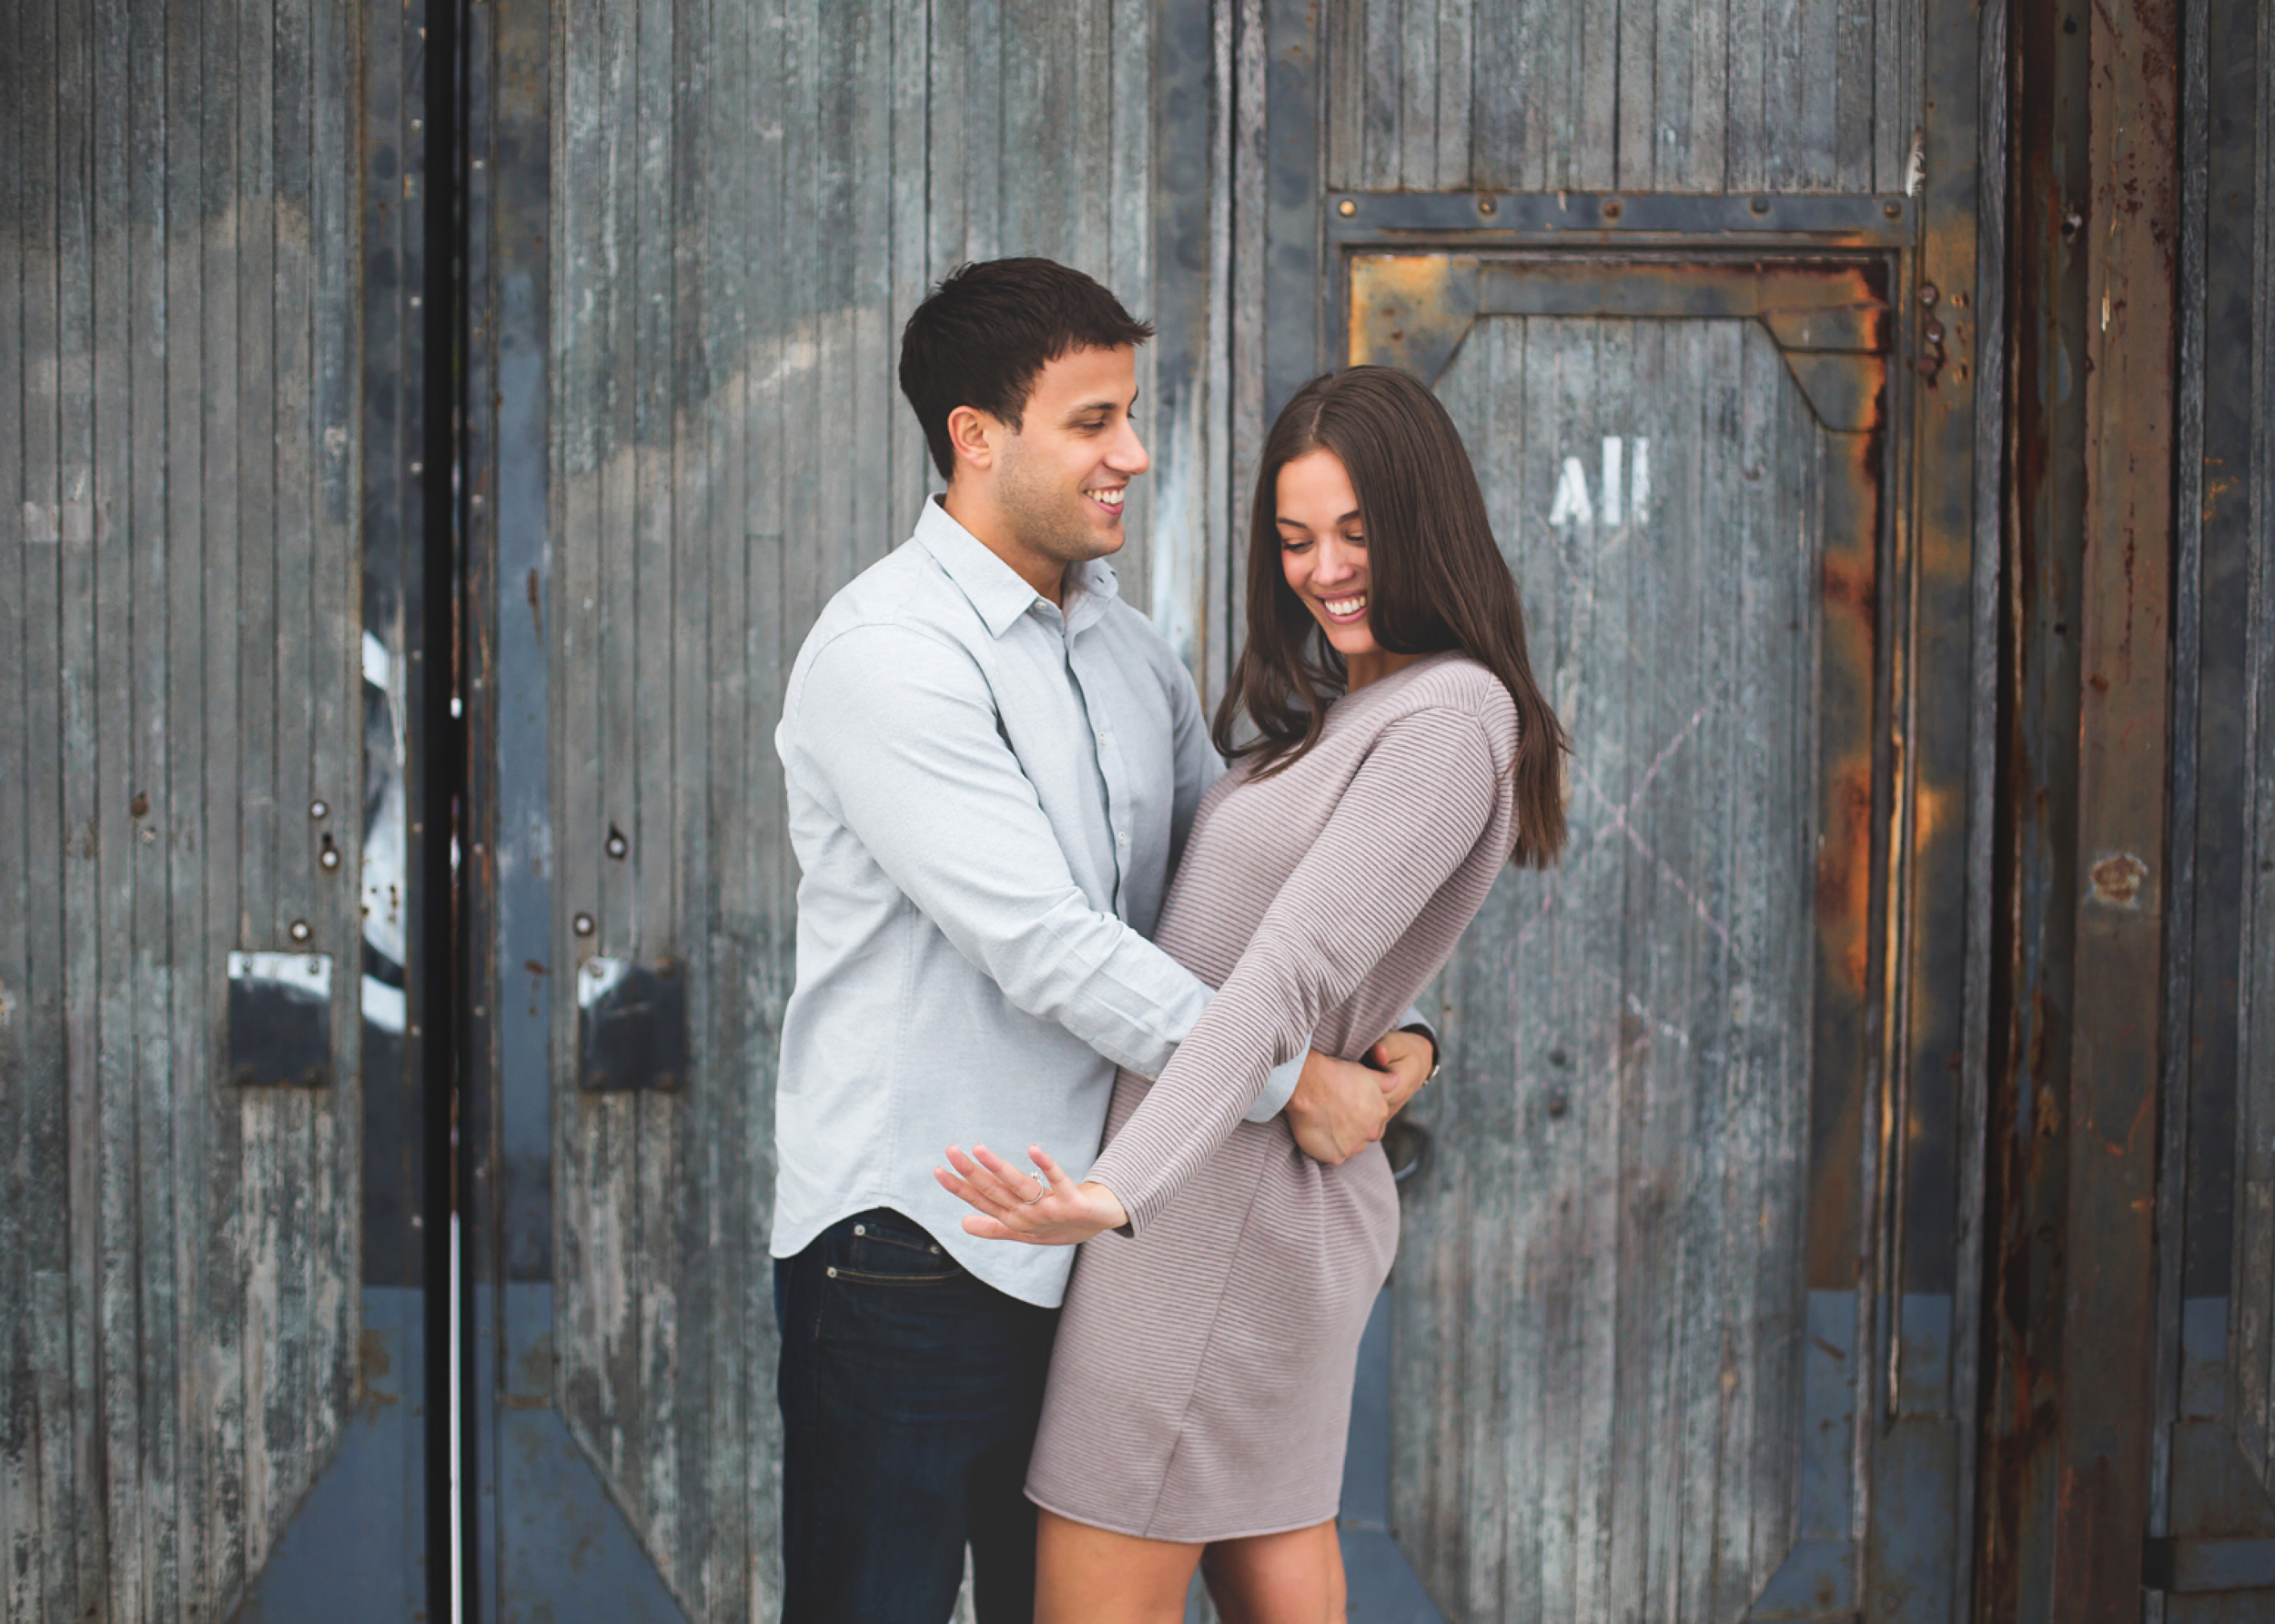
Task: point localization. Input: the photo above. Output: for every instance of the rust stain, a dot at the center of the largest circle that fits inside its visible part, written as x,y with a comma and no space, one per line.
1851,586
2118,880
1844,871
373,1362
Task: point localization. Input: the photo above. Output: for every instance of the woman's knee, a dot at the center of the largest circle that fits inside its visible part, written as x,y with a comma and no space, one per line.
1294,1578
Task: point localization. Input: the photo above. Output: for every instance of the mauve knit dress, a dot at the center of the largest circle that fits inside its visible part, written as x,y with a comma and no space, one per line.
1200,1386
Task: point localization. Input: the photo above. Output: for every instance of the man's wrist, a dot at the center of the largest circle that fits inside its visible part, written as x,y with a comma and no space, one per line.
1429,1037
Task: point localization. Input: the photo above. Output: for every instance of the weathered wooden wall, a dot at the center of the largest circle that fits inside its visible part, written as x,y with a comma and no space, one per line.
747,203
1679,95
2239,589
179,681
1601,1283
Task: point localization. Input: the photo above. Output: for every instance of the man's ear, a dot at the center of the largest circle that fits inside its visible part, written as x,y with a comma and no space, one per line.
974,435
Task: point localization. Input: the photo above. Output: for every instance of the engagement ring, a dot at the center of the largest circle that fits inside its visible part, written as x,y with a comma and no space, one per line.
1042,1188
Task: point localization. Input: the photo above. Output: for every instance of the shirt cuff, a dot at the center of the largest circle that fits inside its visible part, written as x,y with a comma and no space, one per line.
1277,1087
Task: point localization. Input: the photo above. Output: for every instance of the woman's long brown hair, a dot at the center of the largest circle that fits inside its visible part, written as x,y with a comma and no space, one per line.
1436,580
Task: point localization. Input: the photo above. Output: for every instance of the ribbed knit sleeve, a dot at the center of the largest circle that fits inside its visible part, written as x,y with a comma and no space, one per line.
1408,820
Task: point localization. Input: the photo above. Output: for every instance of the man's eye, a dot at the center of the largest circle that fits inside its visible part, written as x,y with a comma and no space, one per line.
1092,428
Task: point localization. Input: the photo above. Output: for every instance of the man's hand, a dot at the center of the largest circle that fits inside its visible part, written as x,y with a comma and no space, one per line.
1408,1057
1339,1108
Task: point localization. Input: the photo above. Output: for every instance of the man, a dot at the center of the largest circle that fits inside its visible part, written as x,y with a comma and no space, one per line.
991,763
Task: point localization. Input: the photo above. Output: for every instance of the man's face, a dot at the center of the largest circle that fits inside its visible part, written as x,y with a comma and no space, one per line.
1061,478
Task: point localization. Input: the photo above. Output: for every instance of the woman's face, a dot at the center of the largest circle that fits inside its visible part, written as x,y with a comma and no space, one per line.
1323,548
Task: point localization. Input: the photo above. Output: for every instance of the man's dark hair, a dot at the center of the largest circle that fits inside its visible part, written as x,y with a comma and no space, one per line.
989,330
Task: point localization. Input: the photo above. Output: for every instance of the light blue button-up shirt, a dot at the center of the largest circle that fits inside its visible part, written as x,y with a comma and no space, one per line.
987,797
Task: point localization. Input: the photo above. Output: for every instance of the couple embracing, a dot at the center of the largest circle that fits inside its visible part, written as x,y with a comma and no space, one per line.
1036,912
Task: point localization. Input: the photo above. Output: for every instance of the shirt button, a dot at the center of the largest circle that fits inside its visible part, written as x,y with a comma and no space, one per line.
1121,838
861,1229
833,1274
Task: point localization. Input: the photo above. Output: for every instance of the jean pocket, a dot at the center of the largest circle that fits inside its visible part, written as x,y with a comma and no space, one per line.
891,1253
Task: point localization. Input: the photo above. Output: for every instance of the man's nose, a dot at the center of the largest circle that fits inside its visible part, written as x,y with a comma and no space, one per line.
1129,455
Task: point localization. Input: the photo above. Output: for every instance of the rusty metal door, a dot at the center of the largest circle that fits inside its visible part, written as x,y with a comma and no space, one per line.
1683,1322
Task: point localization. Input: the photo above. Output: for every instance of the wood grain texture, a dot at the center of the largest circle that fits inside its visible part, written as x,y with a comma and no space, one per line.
748,201
2251,1399
1599,1289
179,560
1727,95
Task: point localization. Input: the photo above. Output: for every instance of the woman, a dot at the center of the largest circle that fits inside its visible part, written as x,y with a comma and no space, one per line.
1396,753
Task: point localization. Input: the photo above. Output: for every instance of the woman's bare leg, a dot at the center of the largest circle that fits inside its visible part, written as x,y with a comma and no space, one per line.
1278,1578
1089,1576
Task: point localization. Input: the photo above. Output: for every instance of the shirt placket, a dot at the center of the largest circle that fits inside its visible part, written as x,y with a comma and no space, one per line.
1105,754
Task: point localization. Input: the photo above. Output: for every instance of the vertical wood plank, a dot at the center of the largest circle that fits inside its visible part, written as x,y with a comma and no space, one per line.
1418,95
112,761
1639,79
1816,102
1593,162
1853,91
80,935
220,832
1752,164
335,686
151,1172
1344,37
184,1124
292,1426
582,263
912,249
1501,153
270,1421
1123,53
22,1538
1702,137
1381,165
1454,115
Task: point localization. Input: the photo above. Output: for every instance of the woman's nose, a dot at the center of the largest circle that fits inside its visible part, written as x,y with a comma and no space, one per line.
1336,562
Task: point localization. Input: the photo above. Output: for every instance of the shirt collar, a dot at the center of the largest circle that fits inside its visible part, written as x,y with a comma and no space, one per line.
997,591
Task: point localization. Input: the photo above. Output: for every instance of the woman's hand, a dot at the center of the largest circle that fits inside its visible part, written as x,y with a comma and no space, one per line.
1043,1209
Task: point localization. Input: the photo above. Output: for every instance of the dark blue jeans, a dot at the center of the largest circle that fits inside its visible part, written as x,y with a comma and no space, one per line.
909,1394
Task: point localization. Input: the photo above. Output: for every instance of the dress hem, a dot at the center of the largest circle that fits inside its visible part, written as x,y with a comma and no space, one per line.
1092,1522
